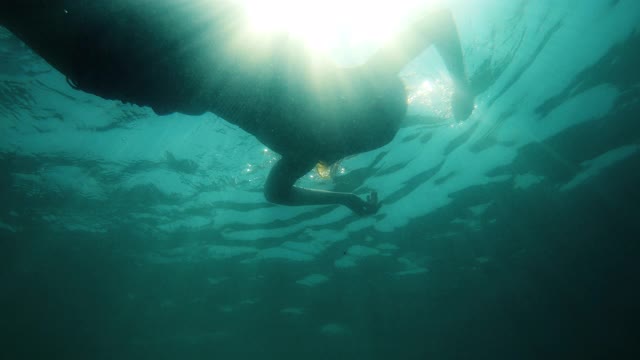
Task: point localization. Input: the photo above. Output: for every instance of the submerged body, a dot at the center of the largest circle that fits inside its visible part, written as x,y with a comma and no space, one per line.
197,57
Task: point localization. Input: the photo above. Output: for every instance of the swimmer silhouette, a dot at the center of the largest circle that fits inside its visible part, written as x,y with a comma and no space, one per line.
200,56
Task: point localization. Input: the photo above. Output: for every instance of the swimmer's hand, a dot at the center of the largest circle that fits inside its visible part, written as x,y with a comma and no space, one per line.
362,207
462,102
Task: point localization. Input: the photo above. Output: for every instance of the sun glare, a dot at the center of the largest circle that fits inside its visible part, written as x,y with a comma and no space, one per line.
327,24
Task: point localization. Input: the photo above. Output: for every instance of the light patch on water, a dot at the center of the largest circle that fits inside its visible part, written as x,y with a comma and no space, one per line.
292,311
7,227
216,280
204,338
284,213
354,255
225,252
362,251
587,106
525,181
345,262
257,277
471,224
225,309
313,243
167,182
159,259
90,226
278,253
68,180
334,329
410,267
412,272
189,254
478,210
470,169
593,167
313,247
387,247
188,223
77,223
167,303
313,280
248,302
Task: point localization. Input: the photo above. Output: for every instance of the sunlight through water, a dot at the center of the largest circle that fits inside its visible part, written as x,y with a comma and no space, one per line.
327,24
349,31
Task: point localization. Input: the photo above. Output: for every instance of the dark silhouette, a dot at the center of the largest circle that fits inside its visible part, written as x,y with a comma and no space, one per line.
194,57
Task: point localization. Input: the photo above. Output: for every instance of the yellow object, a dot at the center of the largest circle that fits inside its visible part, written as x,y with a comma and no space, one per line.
323,170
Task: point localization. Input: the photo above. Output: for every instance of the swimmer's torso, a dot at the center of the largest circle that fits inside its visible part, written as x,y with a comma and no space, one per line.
199,56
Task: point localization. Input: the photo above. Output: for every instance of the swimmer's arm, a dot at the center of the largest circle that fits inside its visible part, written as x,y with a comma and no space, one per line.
280,189
447,43
438,28
435,27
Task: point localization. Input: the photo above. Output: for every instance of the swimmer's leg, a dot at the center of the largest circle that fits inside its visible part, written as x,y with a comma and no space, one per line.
280,189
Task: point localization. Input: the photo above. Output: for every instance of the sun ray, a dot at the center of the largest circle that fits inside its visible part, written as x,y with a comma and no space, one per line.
328,24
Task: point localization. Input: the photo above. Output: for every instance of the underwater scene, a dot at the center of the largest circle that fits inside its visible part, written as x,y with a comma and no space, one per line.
511,235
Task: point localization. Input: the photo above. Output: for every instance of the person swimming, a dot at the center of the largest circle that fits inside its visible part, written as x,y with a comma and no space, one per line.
194,57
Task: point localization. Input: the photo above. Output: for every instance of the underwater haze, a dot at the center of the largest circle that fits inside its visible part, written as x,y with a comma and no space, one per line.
512,235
